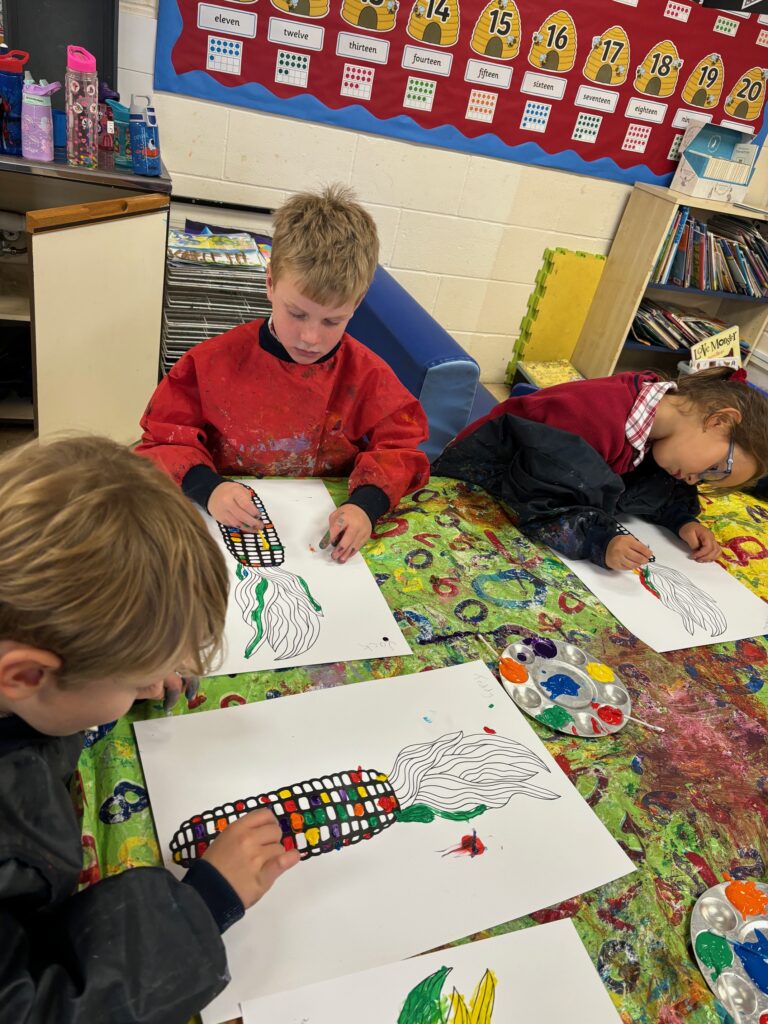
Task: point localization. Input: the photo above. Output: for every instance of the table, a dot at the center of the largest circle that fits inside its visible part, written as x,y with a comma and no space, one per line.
686,805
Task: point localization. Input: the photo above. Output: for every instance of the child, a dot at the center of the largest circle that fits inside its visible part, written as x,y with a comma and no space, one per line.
569,458
295,395
108,582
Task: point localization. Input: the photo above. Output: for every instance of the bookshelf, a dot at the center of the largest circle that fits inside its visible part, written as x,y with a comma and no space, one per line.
626,279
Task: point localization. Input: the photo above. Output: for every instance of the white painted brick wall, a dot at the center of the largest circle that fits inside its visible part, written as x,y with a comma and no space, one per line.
464,234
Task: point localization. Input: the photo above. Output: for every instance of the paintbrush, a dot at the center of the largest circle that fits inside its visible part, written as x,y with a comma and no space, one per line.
482,640
647,725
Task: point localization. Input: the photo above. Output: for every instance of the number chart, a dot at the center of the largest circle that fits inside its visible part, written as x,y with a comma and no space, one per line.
588,86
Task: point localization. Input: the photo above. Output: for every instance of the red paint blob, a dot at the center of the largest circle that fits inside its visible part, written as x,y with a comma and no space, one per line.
240,805
263,799
387,803
596,727
201,698
609,715
289,842
289,805
487,728
356,777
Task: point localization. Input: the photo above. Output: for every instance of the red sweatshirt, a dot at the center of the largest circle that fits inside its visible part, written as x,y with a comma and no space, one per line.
238,405
595,410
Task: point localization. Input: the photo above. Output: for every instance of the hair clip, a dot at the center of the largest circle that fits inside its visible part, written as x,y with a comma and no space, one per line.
740,376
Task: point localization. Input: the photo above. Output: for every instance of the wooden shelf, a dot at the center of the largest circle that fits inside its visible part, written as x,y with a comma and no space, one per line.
648,217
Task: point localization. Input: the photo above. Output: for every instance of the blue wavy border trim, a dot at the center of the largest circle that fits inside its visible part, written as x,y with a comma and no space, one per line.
356,118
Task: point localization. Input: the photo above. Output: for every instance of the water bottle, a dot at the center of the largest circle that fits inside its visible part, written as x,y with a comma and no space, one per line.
82,102
107,138
11,79
121,117
36,119
145,137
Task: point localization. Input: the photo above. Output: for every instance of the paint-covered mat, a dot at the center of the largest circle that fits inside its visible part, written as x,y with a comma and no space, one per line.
686,805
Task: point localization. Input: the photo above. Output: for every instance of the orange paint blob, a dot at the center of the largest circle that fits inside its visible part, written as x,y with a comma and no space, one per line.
297,822
747,898
359,810
512,671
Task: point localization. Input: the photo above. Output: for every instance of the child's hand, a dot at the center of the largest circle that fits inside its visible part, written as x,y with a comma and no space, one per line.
250,856
232,504
627,552
350,528
701,541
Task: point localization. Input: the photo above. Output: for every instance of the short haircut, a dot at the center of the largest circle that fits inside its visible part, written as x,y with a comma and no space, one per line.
329,242
105,563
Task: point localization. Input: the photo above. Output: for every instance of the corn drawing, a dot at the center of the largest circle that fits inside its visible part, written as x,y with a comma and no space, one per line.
456,777
425,1003
676,592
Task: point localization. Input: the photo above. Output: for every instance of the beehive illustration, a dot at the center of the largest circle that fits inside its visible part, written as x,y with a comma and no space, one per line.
553,47
435,22
497,31
302,8
747,97
608,60
705,83
372,15
657,75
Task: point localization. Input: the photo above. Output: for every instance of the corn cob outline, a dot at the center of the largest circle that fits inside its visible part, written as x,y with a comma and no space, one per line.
676,592
275,603
453,777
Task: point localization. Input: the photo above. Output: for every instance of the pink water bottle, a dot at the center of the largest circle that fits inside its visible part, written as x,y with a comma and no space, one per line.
82,101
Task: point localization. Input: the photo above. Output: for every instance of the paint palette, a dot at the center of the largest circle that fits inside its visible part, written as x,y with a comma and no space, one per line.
729,934
557,684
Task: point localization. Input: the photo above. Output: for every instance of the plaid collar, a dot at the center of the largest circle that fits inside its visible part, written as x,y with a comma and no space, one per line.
643,413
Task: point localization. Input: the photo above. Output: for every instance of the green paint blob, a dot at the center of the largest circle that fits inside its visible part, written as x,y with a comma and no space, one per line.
425,814
341,810
320,816
257,616
422,1005
309,818
714,951
556,718
312,601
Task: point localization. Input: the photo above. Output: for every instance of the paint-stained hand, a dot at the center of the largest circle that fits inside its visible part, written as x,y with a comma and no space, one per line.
250,856
626,552
232,504
350,528
702,542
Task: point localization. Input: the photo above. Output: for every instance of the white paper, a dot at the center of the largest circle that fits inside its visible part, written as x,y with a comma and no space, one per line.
523,965
354,622
698,603
402,892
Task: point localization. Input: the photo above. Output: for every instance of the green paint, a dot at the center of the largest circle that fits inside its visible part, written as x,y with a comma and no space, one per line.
425,814
423,1005
491,705
373,821
341,810
556,718
714,951
257,616
309,818
312,601
320,816
240,571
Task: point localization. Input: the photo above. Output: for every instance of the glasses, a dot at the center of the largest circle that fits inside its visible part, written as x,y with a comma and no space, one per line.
713,475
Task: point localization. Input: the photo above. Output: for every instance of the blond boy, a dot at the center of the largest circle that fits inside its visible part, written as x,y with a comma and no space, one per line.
109,582
295,395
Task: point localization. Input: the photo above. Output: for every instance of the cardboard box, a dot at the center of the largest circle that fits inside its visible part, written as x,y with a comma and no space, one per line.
716,162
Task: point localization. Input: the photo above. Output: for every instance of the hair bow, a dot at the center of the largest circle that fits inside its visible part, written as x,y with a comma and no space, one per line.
740,376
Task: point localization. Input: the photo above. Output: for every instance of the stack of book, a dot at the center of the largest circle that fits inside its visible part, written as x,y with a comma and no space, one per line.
724,254
213,283
661,326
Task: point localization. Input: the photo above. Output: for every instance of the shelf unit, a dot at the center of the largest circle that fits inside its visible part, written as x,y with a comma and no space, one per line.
649,214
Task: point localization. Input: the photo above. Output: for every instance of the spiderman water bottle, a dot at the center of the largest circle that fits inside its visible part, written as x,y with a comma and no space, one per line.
11,80
82,88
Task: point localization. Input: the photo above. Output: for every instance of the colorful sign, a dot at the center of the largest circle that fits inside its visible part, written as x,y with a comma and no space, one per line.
603,87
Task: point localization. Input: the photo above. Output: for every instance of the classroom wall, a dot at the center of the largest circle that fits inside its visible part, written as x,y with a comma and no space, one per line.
464,234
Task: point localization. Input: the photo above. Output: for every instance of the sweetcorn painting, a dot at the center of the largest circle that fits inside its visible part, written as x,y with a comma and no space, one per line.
674,602
290,604
504,980
424,809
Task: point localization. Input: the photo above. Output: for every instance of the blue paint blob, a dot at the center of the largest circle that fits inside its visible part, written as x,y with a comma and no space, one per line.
754,684
560,685
636,764
754,957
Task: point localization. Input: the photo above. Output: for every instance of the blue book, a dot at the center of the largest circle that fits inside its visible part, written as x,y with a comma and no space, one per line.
684,211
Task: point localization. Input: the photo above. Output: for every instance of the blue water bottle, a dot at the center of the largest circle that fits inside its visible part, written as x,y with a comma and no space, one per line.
11,81
145,137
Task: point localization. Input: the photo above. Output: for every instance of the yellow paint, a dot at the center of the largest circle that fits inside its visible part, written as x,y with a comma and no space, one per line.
312,836
600,673
325,798
458,1012
362,791
481,1006
284,794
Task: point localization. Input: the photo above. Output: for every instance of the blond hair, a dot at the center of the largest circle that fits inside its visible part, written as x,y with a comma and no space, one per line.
329,242
105,563
714,389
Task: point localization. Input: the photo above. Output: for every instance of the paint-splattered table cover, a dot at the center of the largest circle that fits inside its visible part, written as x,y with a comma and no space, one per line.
686,805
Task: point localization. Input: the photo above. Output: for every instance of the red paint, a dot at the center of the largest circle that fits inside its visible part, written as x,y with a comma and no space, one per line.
231,699
196,818
396,526
201,698
356,777
263,799
569,609
470,845
289,843
500,547
596,727
422,538
289,806
240,805
703,869
387,803
557,913
445,586
487,728
609,715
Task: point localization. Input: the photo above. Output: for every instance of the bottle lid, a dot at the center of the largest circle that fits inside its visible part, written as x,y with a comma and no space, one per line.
14,60
136,107
79,59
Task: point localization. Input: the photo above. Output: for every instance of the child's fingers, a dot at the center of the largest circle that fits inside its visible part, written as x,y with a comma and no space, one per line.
246,509
277,866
